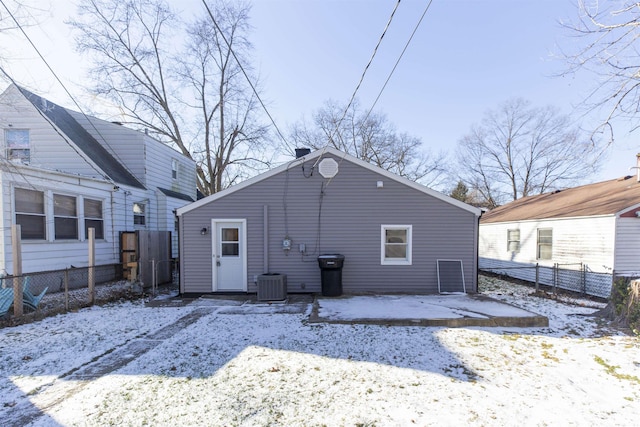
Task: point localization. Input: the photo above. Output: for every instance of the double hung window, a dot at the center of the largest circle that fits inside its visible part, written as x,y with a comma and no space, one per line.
545,243
396,245
17,145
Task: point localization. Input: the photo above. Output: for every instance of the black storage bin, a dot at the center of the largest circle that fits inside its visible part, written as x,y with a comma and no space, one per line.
331,274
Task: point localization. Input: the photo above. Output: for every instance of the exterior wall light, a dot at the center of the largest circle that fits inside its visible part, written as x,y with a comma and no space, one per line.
204,231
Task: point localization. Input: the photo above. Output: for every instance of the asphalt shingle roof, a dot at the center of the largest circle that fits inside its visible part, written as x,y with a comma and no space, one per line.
83,140
602,198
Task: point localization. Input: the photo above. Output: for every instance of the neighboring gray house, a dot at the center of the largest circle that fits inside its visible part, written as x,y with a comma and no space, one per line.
62,172
392,231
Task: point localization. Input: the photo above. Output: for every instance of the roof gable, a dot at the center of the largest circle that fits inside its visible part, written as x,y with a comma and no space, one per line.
65,122
317,155
602,198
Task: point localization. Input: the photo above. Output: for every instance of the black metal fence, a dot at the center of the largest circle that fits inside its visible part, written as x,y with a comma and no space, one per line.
571,277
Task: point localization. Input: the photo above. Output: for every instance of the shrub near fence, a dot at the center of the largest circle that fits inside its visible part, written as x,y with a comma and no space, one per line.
571,277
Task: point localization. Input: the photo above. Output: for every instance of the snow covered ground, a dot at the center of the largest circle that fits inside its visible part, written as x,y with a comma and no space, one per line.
221,364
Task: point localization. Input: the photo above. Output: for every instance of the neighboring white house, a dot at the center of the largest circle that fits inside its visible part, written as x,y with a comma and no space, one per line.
62,172
593,229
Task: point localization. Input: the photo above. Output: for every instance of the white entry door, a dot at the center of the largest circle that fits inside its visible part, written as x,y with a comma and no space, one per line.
229,255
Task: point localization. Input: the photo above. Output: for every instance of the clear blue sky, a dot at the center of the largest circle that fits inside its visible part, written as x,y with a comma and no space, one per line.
466,57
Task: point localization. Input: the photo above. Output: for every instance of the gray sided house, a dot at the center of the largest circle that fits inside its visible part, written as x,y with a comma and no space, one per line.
392,231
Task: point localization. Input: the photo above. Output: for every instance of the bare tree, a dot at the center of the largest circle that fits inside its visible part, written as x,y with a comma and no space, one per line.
15,15
519,150
191,94
369,137
609,34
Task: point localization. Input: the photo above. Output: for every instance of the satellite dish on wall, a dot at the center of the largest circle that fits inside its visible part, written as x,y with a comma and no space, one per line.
328,168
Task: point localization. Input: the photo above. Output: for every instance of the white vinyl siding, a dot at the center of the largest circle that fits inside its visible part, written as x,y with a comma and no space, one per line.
627,258
395,245
586,240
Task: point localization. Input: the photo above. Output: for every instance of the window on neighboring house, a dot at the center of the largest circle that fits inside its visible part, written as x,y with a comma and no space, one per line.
17,145
65,217
395,245
513,240
545,243
139,214
93,218
30,214
174,169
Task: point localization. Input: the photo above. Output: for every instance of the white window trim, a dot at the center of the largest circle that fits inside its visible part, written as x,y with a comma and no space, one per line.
387,261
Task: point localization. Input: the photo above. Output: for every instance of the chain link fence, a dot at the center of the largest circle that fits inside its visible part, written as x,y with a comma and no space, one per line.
577,277
68,289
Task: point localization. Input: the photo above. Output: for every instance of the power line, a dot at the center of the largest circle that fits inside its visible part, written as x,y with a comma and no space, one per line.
415,29
364,72
255,92
55,128
112,151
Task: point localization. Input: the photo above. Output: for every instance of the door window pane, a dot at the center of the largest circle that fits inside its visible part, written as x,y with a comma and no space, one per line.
229,241
230,249
229,234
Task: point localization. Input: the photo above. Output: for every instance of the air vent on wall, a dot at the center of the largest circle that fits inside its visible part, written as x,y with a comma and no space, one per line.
328,168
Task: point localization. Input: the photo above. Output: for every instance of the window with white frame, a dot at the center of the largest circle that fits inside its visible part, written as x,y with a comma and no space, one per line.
395,245
30,214
513,240
545,243
93,218
139,214
17,145
174,169
65,217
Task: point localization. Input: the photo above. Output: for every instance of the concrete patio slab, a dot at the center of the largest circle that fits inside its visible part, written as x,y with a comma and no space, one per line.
455,310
